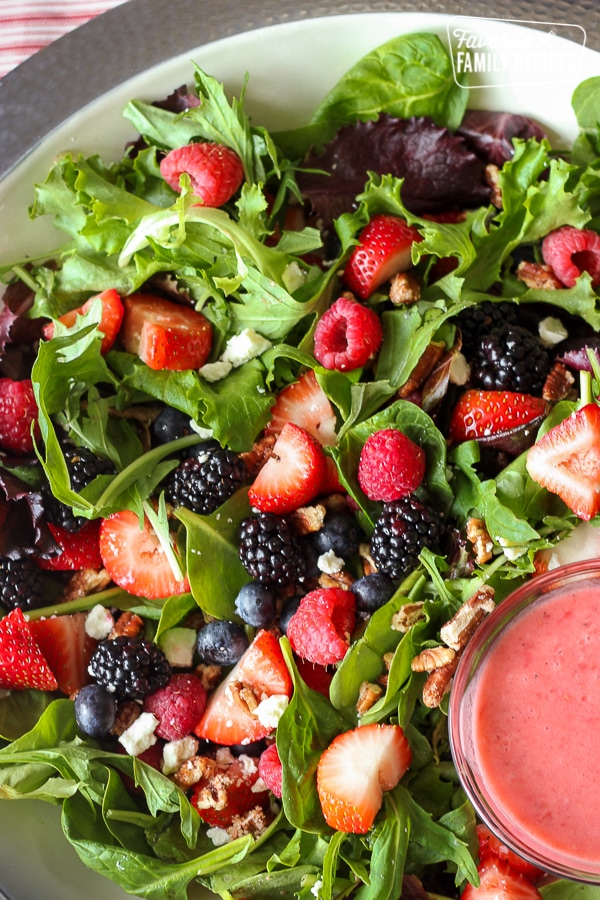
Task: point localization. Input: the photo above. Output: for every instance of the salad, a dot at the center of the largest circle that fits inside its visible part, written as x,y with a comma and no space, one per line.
266,422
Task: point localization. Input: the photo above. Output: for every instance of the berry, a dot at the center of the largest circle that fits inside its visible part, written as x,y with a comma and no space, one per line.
231,791
22,663
341,533
221,642
355,770
305,403
384,249
497,879
95,711
510,358
67,647
83,466
372,591
402,530
262,668
481,319
77,551
571,251
21,584
255,604
177,706
204,481
135,560
269,550
320,629
390,465
483,414
165,334
566,461
492,846
18,412
293,474
110,320
170,424
287,611
347,336
317,678
216,172
270,769
129,668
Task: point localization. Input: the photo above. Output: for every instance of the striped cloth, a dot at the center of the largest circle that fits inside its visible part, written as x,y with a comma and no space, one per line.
28,25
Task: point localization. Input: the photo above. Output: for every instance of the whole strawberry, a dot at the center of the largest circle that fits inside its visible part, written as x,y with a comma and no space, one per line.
18,411
390,465
215,171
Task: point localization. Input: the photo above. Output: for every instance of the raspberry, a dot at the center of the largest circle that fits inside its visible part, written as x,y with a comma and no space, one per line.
570,251
321,627
347,336
18,410
269,769
178,706
390,465
215,171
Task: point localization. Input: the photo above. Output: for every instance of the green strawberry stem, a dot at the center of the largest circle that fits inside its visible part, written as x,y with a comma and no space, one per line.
112,597
585,389
160,524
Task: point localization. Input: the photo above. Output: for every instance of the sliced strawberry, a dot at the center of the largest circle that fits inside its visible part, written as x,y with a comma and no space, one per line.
22,663
216,172
135,560
110,321
305,403
78,550
492,846
498,881
18,412
67,647
293,475
566,461
164,334
227,720
230,791
482,414
270,769
355,770
571,251
384,249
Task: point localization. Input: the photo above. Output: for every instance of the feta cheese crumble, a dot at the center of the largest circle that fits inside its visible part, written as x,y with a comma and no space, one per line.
270,710
140,734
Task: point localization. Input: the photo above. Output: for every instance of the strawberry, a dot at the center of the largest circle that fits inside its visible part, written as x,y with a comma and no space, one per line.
347,336
134,558
491,846
18,411
390,465
216,172
110,321
231,790
566,461
320,629
78,550
270,769
305,403
22,663
498,881
67,647
571,251
355,770
384,249
292,476
483,414
227,720
164,334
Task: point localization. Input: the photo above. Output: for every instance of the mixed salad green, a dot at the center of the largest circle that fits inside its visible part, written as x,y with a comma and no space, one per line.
240,265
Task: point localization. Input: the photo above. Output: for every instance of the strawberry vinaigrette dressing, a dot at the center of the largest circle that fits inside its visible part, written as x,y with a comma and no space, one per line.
535,707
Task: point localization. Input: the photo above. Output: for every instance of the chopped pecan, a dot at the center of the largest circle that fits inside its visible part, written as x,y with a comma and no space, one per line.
438,683
432,658
255,822
308,519
209,675
368,695
259,454
407,616
194,770
559,383
463,624
479,537
128,711
492,173
128,624
538,276
243,695
340,579
405,289
364,551
85,582
423,369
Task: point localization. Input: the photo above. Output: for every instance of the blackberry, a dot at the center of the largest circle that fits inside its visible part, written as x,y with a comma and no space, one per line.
21,584
202,483
510,358
482,319
83,466
402,530
269,550
129,668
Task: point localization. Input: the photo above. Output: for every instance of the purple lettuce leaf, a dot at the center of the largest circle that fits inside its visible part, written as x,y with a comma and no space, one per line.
489,134
23,529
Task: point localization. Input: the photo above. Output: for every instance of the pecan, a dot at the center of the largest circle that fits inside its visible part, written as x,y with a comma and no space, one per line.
85,582
259,454
438,683
463,624
423,369
340,579
405,289
368,695
308,519
538,276
558,384
243,695
432,658
254,822
492,173
209,675
407,616
479,537
128,624
194,770
364,551
127,712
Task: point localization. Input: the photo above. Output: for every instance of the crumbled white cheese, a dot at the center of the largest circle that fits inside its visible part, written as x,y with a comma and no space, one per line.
552,331
270,710
330,563
259,786
243,347
248,764
140,734
316,888
218,836
224,757
175,753
99,622
215,371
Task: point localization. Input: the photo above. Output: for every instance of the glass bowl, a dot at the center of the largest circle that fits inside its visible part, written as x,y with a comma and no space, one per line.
524,721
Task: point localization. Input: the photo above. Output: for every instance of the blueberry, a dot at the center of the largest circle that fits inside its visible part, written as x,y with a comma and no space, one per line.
169,425
289,608
340,533
252,748
255,604
221,642
372,591
95,710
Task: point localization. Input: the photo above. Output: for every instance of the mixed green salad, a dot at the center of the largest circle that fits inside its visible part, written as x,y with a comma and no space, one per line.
247,271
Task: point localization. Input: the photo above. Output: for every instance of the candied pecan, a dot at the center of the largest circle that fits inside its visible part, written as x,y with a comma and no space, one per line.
340,579
308,519
254,822
194,770
538,276
463,624
243,695
259,454
432,658
368,695
492,173
128,624
127,712
405,289
438,683
423,369
479,537
209,674
407,616
85,582
559,383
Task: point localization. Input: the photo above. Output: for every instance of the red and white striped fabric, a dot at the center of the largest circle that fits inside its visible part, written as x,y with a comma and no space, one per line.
28,25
